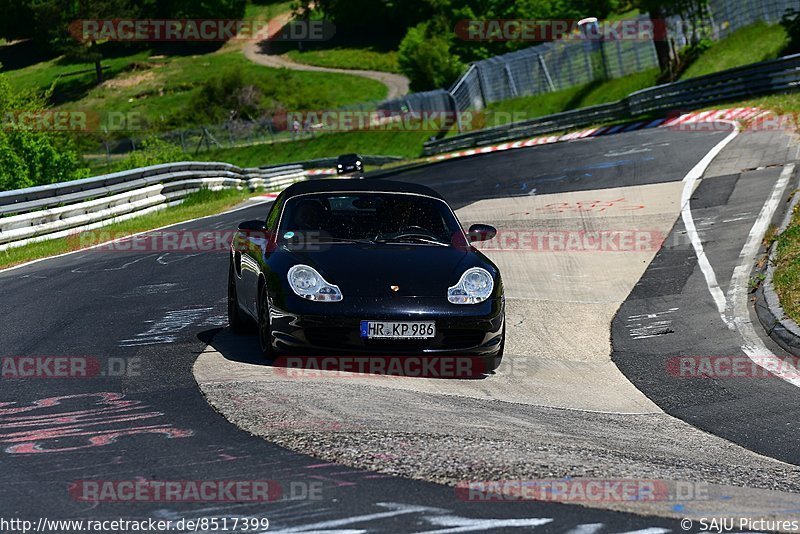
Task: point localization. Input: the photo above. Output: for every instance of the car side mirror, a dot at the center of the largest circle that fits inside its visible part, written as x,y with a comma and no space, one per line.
254,229
481,232
253,226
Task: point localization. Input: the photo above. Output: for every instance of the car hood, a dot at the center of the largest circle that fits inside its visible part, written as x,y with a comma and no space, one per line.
371,270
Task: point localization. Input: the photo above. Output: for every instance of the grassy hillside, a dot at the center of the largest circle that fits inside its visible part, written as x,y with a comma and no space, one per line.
344,57
161,88
758,42
751,44
390,143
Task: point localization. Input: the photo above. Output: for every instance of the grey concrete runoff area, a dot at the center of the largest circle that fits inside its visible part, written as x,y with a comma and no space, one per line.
558,406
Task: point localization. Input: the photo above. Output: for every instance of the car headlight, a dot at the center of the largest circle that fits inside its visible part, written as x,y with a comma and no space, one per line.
309,284
475,286
339,165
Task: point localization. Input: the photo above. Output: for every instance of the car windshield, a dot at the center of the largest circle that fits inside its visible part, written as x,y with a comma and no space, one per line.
349,158
368,217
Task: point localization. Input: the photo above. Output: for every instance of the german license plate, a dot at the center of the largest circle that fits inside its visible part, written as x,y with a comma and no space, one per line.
398,330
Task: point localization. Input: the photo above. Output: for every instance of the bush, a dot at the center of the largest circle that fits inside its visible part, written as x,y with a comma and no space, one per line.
427,60
30,157
791,23
224,98
152,151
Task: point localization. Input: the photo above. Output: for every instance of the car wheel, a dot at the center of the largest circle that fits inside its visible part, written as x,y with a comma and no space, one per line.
238,323
493,362
265,337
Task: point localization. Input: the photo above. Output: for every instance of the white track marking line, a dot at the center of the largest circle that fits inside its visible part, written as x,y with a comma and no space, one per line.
252,204
587,528
737,309
688,221
733,308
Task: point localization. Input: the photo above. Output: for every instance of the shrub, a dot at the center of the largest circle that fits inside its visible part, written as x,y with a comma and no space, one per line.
224,98
791,23
152,151
427,60
30,157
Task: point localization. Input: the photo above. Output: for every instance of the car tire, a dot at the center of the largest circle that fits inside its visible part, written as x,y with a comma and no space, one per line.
265,337
236,318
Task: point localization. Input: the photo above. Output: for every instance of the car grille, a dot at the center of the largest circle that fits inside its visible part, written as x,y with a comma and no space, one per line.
328,337
460,339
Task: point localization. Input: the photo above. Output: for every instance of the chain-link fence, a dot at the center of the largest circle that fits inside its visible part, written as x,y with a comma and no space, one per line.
563,64
730,15
551,67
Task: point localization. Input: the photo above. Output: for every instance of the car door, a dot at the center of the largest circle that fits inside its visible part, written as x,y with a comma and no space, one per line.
256,250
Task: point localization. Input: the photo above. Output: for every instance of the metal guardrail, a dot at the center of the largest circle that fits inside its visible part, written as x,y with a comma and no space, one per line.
331,162
768,77
59,210
541,125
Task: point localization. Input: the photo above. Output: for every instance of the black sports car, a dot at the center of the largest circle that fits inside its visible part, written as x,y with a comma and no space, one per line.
349,163
357,267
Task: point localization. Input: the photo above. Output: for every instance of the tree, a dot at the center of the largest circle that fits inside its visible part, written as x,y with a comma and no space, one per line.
17,21
532,10
193,9
384,18
425,56
53,18
694,14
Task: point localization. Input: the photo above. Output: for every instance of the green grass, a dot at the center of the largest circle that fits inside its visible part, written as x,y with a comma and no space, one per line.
367,58
751,44
158,88
787,268
785,103
196,205
625,15
266,10
406,144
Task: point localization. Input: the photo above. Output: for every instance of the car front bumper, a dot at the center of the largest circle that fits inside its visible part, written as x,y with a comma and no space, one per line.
334,328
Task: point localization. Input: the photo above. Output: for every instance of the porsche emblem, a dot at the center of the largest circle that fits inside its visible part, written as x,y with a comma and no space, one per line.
395,288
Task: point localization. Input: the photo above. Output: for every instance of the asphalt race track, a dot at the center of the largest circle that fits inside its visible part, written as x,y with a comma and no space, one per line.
156,312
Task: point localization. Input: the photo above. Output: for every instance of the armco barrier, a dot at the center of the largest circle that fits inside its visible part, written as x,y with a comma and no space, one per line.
52,211
768,77
331,162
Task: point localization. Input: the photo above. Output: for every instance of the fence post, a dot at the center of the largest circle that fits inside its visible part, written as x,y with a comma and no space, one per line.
481,85
620,59
511,83
546,73
454,103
